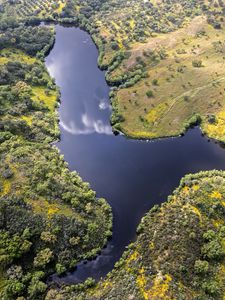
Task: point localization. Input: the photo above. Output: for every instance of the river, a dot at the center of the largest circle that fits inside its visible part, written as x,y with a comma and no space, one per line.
132,175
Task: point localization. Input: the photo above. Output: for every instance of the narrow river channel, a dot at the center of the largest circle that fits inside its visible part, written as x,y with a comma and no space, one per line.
131,175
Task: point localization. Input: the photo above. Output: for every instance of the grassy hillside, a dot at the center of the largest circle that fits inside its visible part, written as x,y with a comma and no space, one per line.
179,252
185,85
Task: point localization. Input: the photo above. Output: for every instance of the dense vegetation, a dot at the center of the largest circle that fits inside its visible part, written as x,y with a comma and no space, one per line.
179,253
49,218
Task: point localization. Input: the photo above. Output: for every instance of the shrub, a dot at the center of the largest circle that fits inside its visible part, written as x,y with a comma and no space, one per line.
155,81
212,250
209,235
149,94
211,288
43,258
201,266
197,63
212,119
114,46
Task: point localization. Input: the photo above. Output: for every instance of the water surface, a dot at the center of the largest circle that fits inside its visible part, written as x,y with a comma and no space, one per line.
131,175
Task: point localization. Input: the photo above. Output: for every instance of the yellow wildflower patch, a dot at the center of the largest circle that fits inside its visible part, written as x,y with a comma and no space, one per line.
120,42
217,129
42,206
141,283
3,60
132,24
216,195
52,211
217,223
133,256
151,245
186,190
107,284
99,288
40,95
195,210
156,113
143,134
195,187
27,119
159,289
7,55
6,187
61,6
115,25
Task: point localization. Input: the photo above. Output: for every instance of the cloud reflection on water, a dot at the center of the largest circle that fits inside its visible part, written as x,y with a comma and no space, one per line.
89,126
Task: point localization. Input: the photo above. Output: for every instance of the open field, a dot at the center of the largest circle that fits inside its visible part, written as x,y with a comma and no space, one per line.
188,81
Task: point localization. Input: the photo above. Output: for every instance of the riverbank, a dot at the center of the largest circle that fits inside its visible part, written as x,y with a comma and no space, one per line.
179,252
50,218
132,175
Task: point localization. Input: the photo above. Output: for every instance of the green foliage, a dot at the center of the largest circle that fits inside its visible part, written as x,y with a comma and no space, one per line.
36,286
60,269
43,258
155,82
211,288
30,39
213,250
201,266
175,267
49,218
149,94
12,247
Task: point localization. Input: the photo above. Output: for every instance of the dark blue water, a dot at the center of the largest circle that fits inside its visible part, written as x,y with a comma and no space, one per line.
131,175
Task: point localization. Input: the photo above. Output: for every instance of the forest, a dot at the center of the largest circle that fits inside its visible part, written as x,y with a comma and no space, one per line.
47,213
164,61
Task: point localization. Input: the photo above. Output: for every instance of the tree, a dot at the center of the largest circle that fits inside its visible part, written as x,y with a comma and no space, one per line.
201,266
212,250
43,258
36,286
211,288
114,46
